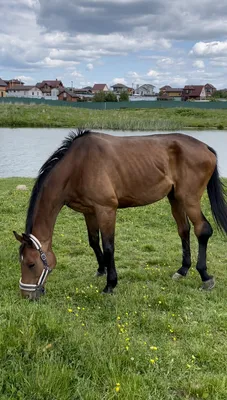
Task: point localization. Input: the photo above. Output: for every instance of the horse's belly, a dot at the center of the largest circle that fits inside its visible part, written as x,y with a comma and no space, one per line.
142,197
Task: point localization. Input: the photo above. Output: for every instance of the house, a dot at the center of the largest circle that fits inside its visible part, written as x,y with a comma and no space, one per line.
3,87
171,93
164,88
193,92
119,88
69,95
50,89
13,82
100,87
83,91
32,92
145,90
210,89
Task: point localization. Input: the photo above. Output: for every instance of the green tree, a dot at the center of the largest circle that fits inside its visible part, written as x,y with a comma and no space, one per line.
110,96
124,96
99,97
104,96
220,94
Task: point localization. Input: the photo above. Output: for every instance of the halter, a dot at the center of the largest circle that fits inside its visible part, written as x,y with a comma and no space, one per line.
46,269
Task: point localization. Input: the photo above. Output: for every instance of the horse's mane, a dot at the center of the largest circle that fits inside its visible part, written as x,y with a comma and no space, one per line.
44,171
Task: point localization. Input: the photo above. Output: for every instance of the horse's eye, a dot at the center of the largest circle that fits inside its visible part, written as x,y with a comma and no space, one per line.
31,265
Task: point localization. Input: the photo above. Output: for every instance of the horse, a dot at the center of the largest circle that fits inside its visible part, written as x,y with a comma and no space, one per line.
95,174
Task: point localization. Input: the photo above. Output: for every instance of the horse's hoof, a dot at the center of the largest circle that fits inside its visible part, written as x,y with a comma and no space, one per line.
177,276
107,290
98,274
208,285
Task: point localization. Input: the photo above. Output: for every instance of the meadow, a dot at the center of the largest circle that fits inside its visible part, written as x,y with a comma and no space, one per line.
153,339
20,115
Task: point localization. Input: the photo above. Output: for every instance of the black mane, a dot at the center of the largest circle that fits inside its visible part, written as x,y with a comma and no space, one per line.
46,169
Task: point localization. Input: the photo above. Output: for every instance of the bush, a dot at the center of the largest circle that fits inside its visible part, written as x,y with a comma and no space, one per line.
99,97
124,96
104,96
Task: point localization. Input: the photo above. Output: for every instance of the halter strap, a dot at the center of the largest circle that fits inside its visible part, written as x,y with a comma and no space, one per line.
46,269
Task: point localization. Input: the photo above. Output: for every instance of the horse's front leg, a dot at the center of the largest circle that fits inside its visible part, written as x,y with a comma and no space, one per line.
93,237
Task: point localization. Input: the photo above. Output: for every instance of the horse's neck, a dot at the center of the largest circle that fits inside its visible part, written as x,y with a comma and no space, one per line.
47,209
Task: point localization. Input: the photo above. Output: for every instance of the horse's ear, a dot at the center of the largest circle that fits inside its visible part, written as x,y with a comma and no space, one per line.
26,239
18,237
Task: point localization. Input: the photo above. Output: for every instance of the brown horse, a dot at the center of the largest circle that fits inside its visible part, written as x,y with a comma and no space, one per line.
96,174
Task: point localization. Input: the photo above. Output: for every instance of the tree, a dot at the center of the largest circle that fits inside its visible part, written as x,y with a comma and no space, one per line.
104,96
124,96
99,97
110,96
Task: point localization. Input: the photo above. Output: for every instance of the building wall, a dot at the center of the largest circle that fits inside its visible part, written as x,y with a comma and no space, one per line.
33,93
174,94
145,90
203,93
2,91
66,97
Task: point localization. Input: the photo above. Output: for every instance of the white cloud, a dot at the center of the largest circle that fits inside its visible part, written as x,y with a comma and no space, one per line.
199,64
25,79
77,74
119,80
209,49
152,73
90,66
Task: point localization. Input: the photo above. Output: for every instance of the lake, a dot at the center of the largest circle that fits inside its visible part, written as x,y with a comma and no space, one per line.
24,150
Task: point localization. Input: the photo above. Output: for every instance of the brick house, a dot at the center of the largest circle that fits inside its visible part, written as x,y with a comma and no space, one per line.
3,87
210,89
193,92
13,82
69,95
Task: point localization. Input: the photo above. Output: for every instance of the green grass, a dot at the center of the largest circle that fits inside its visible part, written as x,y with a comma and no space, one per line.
12,115
79,344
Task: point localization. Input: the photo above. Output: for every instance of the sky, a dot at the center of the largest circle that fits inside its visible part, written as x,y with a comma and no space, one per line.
83,42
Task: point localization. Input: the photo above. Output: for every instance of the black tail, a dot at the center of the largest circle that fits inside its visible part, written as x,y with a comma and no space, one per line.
215,190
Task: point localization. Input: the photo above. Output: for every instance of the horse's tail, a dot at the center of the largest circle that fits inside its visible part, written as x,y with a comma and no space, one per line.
215,190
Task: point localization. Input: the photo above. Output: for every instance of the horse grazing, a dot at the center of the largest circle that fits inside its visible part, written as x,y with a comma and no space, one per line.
95,174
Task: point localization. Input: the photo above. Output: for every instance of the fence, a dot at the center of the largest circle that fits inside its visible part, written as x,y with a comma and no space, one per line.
119,105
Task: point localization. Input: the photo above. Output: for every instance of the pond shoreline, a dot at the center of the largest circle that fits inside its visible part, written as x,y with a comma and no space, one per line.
155,119
24,150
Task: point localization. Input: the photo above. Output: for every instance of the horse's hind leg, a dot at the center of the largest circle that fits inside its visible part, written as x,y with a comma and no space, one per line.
93,237
106,217
184,233
203,231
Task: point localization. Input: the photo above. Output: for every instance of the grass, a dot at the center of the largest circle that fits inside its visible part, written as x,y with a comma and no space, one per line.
154,339
12,115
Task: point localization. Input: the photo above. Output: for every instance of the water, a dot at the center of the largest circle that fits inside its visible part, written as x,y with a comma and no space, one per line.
24,150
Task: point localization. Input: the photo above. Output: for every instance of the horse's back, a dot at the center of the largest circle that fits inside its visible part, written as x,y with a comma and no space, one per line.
137,170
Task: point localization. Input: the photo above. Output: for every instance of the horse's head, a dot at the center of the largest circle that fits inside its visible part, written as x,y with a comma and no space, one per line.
35,266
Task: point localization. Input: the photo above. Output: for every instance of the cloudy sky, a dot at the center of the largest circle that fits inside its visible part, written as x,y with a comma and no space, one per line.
83,42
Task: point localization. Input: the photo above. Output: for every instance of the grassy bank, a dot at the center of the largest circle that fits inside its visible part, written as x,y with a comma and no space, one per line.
125,119
154,339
